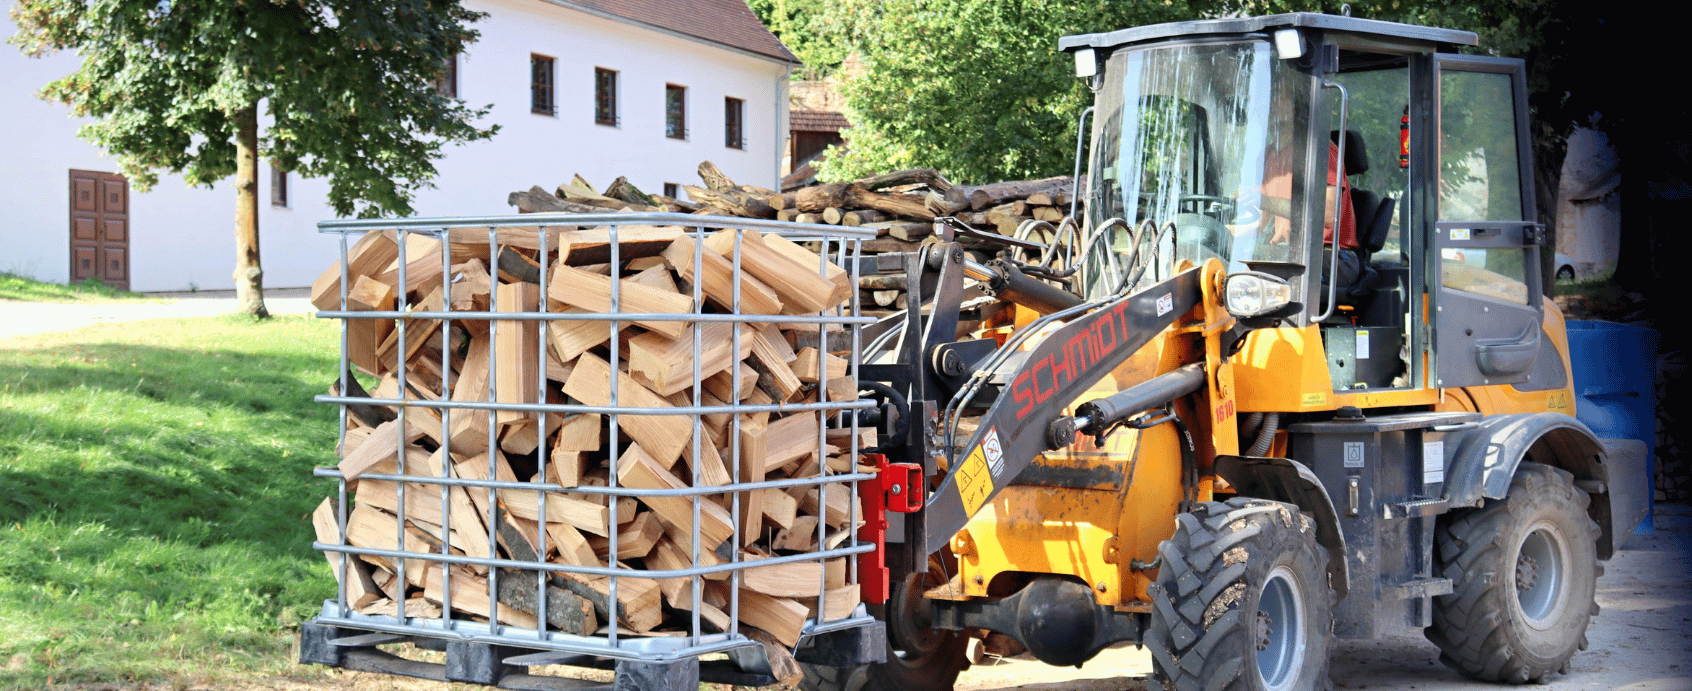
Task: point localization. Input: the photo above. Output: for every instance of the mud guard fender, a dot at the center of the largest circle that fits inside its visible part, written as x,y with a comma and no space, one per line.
1487,456
1283,480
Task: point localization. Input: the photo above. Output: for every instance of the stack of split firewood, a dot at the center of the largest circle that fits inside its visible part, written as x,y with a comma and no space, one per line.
900,205
571,362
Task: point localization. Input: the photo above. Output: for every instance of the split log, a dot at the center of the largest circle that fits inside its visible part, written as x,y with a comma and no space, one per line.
592,292
565,611
782,618
361,589
382,445
801,289
666,364
367,257
793,579
365,336
636,469
470,594
593,245
516,362
720,278
662,436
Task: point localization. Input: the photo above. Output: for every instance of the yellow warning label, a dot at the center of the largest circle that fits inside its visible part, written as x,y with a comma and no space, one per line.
975,481
1315,399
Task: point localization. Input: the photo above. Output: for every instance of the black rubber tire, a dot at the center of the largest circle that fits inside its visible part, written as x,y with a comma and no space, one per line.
1565,274
937,669
1223,563
1483,628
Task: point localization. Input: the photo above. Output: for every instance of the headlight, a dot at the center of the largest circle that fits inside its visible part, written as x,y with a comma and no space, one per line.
1251,293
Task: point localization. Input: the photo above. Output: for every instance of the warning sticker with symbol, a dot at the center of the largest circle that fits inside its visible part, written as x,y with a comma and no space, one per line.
975,482
995,453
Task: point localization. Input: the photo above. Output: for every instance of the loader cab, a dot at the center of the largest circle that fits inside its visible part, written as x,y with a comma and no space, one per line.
1229,139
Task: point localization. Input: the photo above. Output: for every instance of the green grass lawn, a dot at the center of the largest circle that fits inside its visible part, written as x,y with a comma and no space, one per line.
155,486
14,287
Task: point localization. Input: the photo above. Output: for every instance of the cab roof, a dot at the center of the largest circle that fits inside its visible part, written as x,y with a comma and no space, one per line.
1267,24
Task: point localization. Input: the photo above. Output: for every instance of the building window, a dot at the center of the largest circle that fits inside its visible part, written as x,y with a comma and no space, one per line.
671,190
675,111
540,85
278,186
605,96
446,81
734,131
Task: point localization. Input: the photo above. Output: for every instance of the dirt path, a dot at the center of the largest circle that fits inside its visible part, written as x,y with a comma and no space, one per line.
29,318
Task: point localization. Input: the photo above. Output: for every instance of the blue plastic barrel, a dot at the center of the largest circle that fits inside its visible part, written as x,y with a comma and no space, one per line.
1615,385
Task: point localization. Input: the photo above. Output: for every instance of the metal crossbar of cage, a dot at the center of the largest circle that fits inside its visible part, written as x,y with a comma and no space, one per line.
837,244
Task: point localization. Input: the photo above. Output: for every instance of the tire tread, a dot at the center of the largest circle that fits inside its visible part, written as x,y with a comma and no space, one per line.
1470,626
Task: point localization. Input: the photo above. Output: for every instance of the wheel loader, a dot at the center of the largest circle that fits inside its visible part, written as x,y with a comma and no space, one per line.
1260,395
1290,376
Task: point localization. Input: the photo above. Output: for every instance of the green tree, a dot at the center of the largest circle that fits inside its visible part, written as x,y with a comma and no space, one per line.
976,88
816,35
177,86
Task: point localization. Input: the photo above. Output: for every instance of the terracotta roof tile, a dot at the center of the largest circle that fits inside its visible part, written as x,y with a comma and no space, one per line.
727,22
818,121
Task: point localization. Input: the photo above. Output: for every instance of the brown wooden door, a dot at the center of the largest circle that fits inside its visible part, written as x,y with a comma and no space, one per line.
99,228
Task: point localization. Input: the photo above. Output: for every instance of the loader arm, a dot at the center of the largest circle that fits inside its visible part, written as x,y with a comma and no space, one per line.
1057,371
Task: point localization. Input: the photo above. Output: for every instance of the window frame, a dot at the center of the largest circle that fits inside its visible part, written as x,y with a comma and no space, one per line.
543,88
446,83
605,98
278,186
672,190
734,123
675,115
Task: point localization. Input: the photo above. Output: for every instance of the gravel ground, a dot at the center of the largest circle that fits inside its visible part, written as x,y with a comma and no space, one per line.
1641,641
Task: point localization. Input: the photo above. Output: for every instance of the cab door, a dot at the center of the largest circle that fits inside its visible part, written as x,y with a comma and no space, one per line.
1483,263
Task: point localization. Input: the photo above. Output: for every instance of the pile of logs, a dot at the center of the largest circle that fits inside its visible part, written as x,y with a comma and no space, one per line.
900,205
571,362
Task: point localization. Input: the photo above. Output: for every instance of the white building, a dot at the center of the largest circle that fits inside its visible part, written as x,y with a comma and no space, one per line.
641,88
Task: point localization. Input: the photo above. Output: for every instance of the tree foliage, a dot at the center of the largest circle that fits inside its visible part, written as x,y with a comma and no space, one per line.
976,88
346,83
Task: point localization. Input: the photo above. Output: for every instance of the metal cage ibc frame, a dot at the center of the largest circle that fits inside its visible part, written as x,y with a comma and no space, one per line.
840,244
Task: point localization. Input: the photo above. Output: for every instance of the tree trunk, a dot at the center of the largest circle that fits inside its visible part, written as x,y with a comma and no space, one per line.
249,277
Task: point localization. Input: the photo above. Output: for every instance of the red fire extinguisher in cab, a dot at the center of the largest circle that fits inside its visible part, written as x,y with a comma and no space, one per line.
1404,139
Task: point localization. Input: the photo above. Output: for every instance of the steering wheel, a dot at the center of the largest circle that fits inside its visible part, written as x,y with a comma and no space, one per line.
1226,204
1198,236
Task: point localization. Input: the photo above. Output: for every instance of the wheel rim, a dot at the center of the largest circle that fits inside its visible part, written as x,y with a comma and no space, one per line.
1280,630
1541,566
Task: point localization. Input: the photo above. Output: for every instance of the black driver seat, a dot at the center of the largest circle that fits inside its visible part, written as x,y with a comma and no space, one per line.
1373,215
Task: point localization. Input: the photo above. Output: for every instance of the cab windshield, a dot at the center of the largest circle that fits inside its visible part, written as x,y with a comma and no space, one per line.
1191,138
